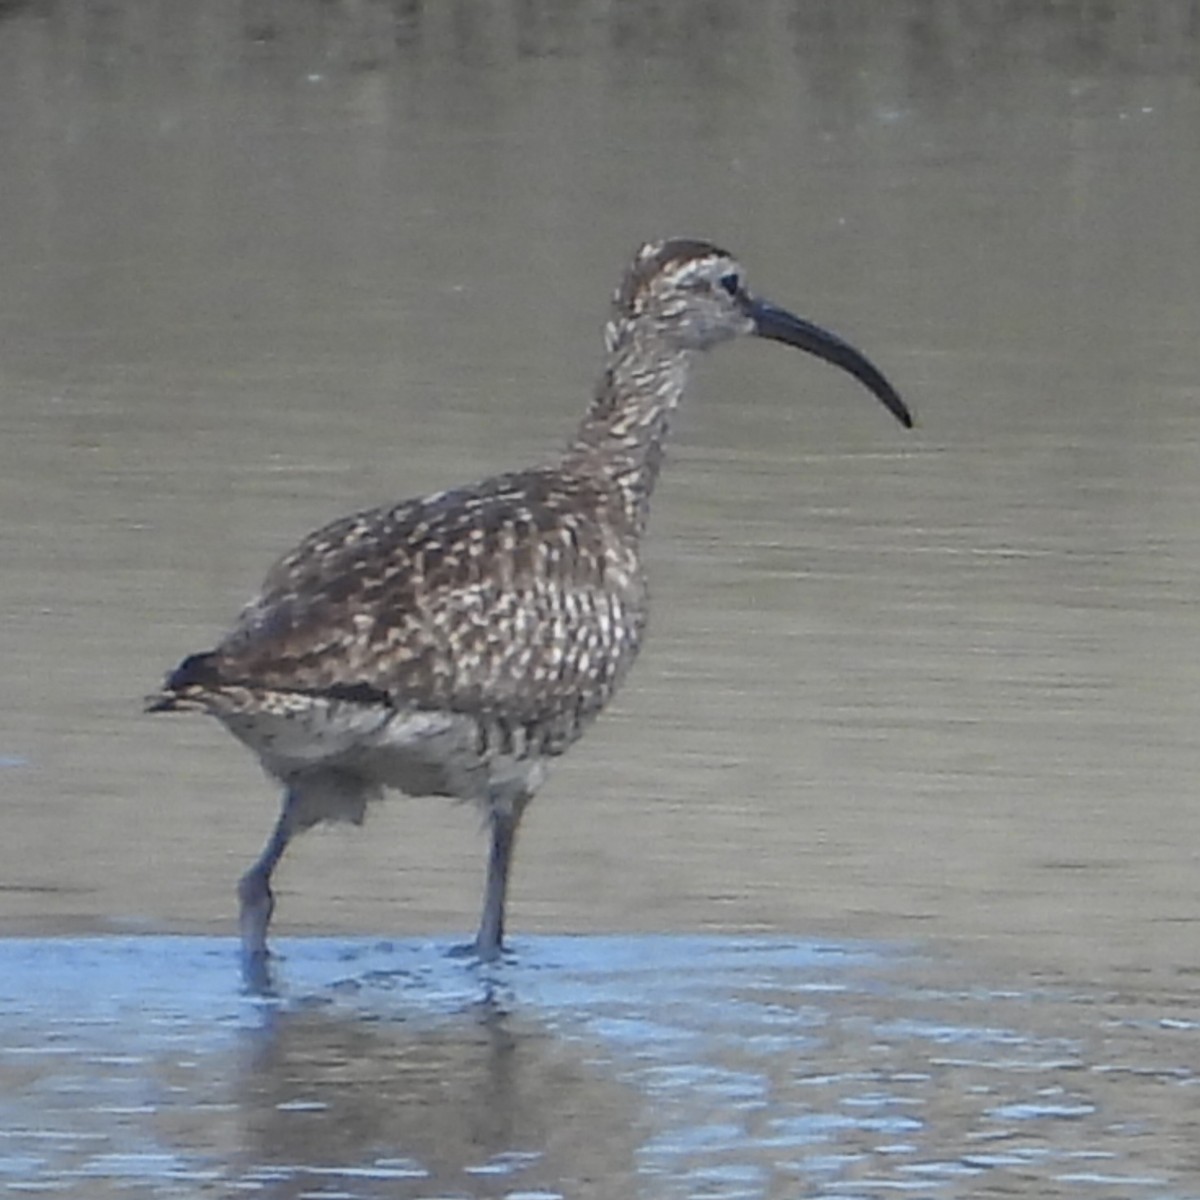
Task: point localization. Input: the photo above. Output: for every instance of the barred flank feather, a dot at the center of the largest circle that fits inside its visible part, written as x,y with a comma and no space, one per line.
452,644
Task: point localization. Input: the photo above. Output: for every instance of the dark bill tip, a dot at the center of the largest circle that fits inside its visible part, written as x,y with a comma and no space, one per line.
782,326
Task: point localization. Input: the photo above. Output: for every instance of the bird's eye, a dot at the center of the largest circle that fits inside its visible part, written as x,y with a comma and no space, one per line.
731,283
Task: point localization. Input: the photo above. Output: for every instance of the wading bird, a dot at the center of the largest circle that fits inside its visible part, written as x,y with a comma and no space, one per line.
453,645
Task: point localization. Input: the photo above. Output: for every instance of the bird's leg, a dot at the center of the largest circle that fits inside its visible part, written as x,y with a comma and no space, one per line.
503,816
256,903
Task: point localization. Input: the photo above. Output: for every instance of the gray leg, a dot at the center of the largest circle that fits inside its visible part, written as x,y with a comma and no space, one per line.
503,819
256,901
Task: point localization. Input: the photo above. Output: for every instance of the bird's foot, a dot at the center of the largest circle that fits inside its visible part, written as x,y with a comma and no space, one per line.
257,977
480,951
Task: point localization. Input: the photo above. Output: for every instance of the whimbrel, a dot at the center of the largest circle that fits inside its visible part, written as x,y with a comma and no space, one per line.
452,645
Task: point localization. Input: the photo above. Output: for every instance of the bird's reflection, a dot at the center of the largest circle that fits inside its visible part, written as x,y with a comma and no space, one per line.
474,1103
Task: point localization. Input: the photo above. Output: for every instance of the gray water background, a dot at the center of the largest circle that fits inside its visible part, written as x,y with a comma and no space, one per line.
264,264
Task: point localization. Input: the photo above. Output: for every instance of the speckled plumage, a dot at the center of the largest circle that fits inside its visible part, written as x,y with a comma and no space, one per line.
451,644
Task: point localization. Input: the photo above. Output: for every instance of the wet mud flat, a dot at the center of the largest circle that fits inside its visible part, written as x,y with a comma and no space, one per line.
592,1066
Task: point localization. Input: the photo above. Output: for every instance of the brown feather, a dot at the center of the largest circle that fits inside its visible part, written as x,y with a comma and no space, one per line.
520,594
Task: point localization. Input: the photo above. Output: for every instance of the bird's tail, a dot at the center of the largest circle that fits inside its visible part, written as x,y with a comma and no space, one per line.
184,688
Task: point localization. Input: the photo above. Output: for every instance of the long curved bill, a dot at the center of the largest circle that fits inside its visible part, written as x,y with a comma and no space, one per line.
782,326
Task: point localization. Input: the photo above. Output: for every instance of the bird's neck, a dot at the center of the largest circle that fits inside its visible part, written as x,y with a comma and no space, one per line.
621,435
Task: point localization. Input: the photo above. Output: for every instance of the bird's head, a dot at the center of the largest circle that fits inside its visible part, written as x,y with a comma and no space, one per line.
693,295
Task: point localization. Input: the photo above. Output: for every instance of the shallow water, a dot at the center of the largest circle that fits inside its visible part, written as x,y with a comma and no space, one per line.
653,1066
266,264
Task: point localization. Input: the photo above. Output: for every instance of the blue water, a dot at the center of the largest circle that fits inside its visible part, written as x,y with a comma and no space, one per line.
607,1067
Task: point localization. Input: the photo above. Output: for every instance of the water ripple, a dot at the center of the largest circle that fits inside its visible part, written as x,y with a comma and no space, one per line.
652,1067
